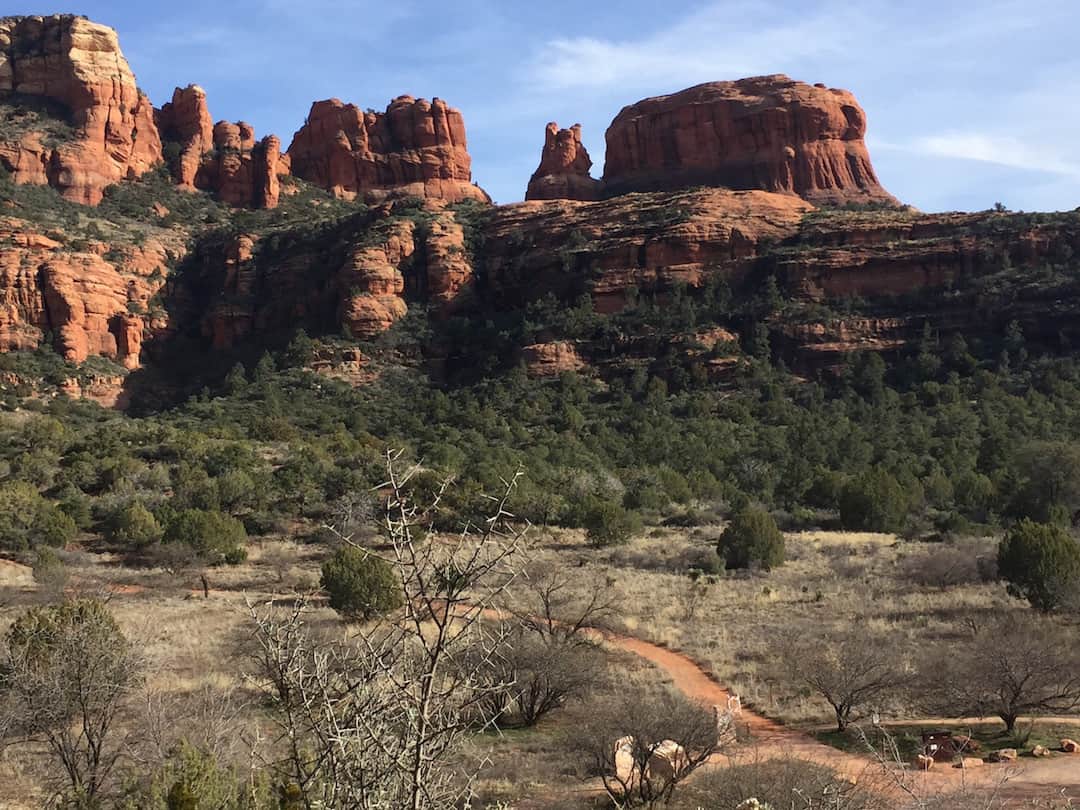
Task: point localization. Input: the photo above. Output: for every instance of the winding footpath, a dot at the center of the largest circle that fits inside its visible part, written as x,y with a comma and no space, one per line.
1055,777
1031,779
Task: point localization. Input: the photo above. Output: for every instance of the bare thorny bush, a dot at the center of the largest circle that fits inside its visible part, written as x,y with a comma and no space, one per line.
377,720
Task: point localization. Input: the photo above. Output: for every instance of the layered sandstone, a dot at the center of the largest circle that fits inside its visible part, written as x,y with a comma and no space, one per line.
90,304
552,358
77,64
355,280
415,148
448,269
643,242
375,283
239,170
186,122
563,173
767,132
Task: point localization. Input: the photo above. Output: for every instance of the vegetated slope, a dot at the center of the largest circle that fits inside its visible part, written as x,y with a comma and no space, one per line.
690,345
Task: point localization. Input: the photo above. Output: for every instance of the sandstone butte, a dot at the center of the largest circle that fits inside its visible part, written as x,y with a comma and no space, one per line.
768,132
563,173
77,64
415,148
222,158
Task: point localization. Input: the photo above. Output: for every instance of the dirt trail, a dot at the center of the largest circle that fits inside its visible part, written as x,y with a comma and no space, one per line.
1026,780
768,738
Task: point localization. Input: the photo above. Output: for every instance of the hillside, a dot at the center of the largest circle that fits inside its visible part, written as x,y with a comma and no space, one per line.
218,352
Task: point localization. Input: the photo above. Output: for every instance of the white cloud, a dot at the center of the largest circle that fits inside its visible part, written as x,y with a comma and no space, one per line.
1002,150
722,40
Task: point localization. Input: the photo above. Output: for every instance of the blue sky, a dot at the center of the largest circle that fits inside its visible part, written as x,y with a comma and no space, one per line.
968,103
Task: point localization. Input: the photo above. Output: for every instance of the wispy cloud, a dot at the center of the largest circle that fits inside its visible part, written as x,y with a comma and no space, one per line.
722,39
1002,150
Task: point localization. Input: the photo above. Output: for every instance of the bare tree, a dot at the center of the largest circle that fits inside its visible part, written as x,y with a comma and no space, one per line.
690,598
549,602
1012,667
377,720
849,669
643,745
67,674
529,676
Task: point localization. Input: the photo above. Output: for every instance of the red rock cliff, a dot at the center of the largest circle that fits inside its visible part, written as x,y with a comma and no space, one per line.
767,132
78,64
415,148
222,158
186,122
241,171
91,302
563,173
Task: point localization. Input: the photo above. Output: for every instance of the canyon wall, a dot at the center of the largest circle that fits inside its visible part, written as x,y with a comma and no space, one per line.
76,64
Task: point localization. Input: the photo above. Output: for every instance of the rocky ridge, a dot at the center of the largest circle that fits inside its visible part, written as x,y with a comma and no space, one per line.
415,148
767,150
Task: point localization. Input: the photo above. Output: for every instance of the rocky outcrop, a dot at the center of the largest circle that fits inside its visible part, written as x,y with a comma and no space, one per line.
90,304
448,268
239,171
767,132
373,277
563,173
222,158
635,242
77,64
185,121
551,359
415,148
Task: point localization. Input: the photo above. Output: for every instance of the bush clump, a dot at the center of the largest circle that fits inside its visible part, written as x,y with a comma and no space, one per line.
874,502
608,523
752,539
212,537
360,585
1041,563
27,520
134,526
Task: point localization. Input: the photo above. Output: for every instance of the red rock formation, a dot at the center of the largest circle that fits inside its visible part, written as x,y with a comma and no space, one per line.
373,277
551,359
563,173
266,168
767,132
186,122
448,268
78,64
88,303
642,241
222,158
240,171
416,148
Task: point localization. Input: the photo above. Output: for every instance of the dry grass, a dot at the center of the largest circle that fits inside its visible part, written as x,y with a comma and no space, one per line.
831,580
194,646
